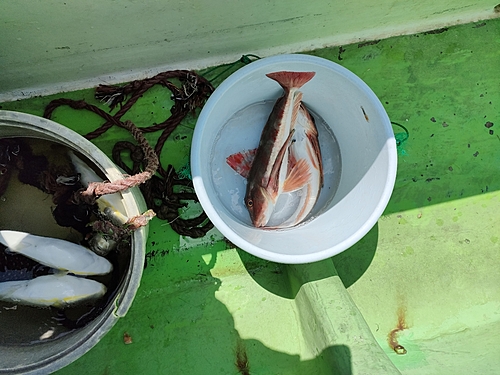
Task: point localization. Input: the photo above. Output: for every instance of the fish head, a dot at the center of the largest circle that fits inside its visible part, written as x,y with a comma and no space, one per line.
260,205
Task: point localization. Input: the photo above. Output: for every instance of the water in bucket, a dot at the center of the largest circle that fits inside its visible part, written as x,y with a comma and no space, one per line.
28,209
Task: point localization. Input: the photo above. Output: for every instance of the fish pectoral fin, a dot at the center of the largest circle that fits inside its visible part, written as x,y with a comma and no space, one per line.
297,177
241,162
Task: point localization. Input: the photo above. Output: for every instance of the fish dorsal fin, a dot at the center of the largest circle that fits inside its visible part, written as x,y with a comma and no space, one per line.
298,176
292,160
314,152
291,80
296,108
275,171
241,162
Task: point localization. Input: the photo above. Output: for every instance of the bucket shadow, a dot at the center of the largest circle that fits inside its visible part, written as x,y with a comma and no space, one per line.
252,357
351,264
179,327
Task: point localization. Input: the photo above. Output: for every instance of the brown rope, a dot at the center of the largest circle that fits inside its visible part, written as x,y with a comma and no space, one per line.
96,189
158,190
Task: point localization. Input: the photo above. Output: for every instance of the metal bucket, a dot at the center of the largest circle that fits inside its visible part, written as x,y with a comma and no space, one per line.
47,357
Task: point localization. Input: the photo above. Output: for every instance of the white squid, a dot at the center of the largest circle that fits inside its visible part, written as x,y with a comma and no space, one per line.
60,289
55,253
51,290
110,204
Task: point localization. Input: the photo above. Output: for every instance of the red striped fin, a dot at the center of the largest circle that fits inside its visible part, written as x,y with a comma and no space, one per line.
290,80
242,161
297,177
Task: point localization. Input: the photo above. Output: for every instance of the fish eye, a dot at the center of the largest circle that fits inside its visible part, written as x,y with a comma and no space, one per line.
3,171
250,203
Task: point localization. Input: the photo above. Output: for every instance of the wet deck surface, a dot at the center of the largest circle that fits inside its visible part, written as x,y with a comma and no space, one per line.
433,256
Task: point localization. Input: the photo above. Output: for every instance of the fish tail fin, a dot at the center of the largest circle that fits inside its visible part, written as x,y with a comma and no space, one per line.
12,239
291,80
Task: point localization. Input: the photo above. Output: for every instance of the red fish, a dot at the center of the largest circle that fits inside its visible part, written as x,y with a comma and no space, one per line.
268,176
305,146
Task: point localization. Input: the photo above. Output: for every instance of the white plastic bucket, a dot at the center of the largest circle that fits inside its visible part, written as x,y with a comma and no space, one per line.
47,357
360,161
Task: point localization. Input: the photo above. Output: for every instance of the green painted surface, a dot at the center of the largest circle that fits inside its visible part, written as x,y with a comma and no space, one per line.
433,256
80,44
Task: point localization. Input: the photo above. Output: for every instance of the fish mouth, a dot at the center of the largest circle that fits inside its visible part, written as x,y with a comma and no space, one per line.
260,223
261,217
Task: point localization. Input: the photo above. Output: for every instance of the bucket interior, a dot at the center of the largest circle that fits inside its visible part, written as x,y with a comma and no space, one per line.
24,353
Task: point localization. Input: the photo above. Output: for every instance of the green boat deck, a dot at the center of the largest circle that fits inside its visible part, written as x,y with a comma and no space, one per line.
428,271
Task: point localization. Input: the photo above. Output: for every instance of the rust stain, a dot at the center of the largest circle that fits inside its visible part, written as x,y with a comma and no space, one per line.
392,338
242,359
